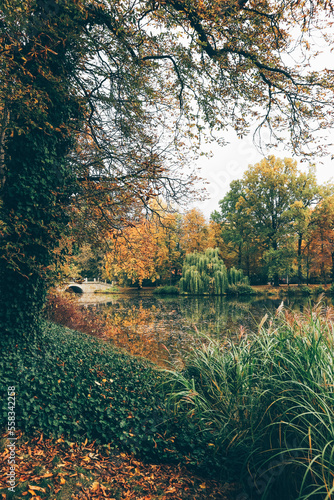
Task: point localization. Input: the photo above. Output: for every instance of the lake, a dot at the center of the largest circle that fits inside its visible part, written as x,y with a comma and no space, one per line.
164,329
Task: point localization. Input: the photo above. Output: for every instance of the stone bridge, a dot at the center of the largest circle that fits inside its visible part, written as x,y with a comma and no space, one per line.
85,286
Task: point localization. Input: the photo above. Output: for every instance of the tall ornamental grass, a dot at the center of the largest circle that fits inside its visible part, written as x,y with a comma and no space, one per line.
267,404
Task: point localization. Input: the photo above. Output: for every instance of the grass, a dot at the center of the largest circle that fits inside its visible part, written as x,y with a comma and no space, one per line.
268,404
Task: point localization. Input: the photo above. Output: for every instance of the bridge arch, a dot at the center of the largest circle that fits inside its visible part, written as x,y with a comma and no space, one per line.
74,289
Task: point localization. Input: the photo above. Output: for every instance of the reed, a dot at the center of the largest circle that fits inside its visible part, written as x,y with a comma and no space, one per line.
267,404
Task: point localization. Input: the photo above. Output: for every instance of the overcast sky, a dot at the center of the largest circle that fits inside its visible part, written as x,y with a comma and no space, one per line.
230,162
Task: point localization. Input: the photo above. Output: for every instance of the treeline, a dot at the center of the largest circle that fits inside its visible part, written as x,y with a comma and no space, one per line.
151,251
276,223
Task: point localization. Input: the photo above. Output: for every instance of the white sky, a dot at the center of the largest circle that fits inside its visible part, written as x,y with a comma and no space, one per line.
230,162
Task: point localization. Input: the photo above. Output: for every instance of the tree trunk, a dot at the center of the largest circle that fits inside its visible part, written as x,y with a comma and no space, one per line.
299,259
276,276
247,265
239,255
38,179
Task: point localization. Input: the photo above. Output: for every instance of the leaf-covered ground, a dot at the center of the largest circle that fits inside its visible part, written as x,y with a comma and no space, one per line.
47,469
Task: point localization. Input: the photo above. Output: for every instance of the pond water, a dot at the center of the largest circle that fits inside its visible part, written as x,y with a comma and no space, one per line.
163,329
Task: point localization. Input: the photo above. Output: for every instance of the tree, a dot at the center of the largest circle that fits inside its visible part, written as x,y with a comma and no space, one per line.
321,238
132,256
98,97
206,273
169,254
308,193
38,110
269,209
85,261
194,232
237,231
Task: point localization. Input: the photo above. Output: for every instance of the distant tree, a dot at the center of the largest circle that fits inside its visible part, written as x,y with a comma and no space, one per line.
206,273
308,194
132,255
169,255
269,210
237,230
321,239
194,232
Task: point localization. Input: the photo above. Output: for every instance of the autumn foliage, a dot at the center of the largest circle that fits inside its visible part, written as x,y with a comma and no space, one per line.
277,221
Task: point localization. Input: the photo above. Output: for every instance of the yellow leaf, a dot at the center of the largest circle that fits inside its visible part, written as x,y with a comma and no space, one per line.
203,486
95,486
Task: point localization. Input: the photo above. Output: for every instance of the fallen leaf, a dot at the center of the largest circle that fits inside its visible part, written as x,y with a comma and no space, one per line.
36,488
95,486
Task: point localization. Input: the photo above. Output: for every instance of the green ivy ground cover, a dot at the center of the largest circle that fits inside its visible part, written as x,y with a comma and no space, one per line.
80,387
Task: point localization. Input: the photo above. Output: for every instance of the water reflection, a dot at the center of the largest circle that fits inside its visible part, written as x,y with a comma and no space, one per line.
165,329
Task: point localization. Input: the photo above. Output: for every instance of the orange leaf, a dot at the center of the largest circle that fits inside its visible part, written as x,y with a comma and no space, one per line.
36,488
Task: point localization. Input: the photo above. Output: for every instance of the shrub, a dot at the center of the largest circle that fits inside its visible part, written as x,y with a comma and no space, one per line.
232,290
166,290
64,309
292,290
268,403
240,289
111,289
306,290
319,289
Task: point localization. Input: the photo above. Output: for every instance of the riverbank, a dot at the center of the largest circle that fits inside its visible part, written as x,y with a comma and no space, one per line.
80,389
235,290
258,411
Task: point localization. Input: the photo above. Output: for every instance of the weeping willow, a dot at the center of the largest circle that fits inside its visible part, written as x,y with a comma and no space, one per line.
206,273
